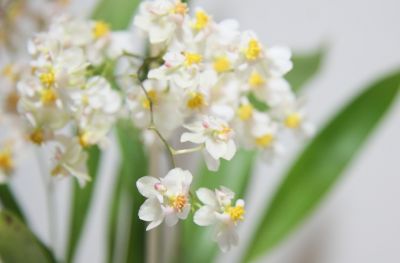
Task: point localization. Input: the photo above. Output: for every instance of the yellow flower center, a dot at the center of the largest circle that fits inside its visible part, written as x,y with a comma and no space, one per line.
6,161
253,50
152,97
293,120
100,29
196,100
178,202
223,133
192,58
180,8
48,78
245,112
84,139
265,140
202,20
256,80
37,136
236,213
48,96
222,64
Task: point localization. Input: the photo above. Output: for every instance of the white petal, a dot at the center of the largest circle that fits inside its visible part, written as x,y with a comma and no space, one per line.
227,237
145,186
207,197
171,219
177,180
230,151
151,210
215,148
193,137
185,212
212,164
205,216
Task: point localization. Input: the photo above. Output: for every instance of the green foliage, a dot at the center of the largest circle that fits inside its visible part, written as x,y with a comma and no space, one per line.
320,165
118,13
127,245
305,67
9,202
18,243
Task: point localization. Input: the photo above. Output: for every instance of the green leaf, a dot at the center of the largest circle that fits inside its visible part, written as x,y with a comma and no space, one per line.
9,202
305,67
320,165
18,243
235,174
128,245
81,202
118,13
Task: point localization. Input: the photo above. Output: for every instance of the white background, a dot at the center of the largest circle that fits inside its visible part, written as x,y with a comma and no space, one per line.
360,219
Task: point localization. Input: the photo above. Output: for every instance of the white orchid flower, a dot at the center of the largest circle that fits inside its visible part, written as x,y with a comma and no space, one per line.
216,136
167,198
219,211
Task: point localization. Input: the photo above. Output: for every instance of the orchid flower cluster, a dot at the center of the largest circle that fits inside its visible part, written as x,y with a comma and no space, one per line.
207,78
18,18
65,100
220,84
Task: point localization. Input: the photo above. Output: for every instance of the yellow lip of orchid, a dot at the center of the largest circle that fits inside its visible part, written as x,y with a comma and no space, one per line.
196,100
293,120
253,50
202,20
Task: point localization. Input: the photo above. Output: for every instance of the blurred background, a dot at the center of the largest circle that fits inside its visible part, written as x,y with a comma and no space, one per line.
360,219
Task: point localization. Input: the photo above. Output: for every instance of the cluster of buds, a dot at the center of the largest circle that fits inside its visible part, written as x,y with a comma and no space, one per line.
222,85
66,100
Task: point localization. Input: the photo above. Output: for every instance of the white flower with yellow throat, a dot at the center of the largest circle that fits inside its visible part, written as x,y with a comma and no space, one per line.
167,198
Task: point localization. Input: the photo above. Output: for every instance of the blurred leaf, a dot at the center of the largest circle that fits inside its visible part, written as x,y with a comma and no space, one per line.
118,13
81,202
305,67
18,243
257,104
321,164
129,244
9,202
235,174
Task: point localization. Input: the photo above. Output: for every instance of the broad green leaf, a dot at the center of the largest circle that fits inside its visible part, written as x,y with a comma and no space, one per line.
118,13
305,67
128,245
322,163
9,202
81,201
18,243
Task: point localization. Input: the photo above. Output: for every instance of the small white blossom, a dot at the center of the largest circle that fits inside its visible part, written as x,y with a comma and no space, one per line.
219,210
167,198
70,160
216,136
